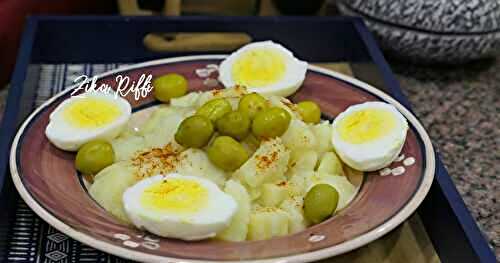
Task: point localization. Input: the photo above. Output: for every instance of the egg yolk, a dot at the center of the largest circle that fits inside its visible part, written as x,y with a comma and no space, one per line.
258,67
91,112
366,125
175,196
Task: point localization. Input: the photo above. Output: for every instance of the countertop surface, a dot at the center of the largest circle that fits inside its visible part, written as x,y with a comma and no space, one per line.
460,108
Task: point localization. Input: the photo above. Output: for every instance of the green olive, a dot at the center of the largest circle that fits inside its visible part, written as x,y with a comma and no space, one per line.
320,202
94,156
309,111
251,104
169,86
194,132
234,124
215,109
252,141
272,122
227,154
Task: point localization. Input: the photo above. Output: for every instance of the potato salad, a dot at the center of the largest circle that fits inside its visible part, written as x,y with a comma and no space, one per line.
234,164
268,161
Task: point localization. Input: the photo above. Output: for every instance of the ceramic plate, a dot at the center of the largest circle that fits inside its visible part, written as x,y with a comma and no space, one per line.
47,180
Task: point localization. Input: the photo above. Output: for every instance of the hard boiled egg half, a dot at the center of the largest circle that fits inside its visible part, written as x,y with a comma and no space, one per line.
86,117
369,136
264,67
179,206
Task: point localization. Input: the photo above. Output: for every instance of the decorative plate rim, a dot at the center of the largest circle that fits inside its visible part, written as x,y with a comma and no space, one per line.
375,233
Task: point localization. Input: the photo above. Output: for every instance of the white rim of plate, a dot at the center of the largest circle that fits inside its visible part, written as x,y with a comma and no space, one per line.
341,248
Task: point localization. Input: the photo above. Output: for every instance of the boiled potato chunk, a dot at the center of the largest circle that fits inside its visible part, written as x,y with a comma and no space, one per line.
272,194
330,164
109,185
188,100
254,193
155,119
323,133
128,131
299,182
195,162
236,92
160,128
267,222
164,132
299,136
267,164
238,228
303,160
125,147
293,208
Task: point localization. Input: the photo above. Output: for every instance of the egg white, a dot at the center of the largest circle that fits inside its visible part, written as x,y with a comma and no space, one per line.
294,75
205,223
66,136
376,154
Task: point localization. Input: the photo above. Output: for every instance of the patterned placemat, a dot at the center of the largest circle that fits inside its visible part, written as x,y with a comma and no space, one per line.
31,239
